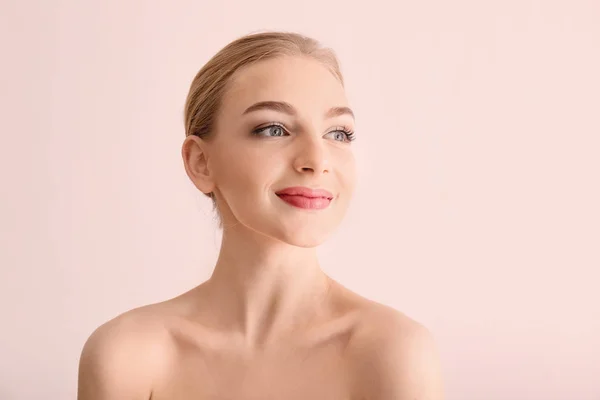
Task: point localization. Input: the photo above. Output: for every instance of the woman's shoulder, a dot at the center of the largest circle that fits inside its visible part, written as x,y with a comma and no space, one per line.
383,330
374,320
122,357
393,355
140,324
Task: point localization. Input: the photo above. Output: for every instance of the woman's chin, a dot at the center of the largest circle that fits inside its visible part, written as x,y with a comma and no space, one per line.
295,228
306,238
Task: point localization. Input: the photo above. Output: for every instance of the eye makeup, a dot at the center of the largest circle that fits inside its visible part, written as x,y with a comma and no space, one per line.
280,129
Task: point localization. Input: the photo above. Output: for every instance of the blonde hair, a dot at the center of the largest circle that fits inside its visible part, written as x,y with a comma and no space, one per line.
210,83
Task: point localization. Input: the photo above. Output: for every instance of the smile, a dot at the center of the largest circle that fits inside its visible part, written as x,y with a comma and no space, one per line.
307,203
306,198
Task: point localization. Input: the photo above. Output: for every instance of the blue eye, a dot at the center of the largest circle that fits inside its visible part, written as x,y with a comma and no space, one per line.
347,134
277,130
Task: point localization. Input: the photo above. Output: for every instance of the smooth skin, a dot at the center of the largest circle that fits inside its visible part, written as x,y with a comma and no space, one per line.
269,323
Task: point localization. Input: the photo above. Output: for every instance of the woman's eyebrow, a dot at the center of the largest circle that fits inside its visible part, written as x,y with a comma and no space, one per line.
287,108
279,106
337,111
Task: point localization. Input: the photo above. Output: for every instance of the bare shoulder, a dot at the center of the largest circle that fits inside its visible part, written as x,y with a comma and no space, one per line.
123,356
394,356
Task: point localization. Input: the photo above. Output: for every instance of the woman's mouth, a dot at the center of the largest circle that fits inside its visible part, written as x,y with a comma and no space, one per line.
306,198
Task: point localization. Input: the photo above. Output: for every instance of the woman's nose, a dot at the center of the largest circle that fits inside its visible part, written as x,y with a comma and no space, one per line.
312,155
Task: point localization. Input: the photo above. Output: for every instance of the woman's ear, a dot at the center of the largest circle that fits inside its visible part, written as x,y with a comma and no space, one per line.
195,160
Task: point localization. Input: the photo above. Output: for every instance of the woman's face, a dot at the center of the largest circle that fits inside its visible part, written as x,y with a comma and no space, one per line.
298,139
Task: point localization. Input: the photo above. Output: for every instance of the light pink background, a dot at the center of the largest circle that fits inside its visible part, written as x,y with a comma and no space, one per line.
477,210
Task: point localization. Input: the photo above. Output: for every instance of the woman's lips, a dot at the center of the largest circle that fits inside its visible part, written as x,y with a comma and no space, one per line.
310,203
306,198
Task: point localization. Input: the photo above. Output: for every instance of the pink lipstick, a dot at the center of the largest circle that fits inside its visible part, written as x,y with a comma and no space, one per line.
306,198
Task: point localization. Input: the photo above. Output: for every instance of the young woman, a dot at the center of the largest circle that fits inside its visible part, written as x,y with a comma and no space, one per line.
269,136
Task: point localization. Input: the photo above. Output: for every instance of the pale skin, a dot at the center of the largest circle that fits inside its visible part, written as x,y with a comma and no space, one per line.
269,323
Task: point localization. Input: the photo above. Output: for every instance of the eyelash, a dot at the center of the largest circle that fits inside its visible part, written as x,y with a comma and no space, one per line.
350,135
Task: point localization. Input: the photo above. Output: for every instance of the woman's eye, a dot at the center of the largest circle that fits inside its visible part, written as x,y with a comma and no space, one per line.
340,135
343,136
271,130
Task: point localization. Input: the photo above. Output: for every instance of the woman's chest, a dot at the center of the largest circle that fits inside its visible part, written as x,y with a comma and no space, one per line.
293,374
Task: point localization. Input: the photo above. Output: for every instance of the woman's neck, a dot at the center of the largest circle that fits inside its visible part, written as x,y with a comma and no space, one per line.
265,288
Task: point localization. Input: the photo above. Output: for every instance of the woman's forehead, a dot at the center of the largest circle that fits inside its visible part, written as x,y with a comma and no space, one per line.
299,81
